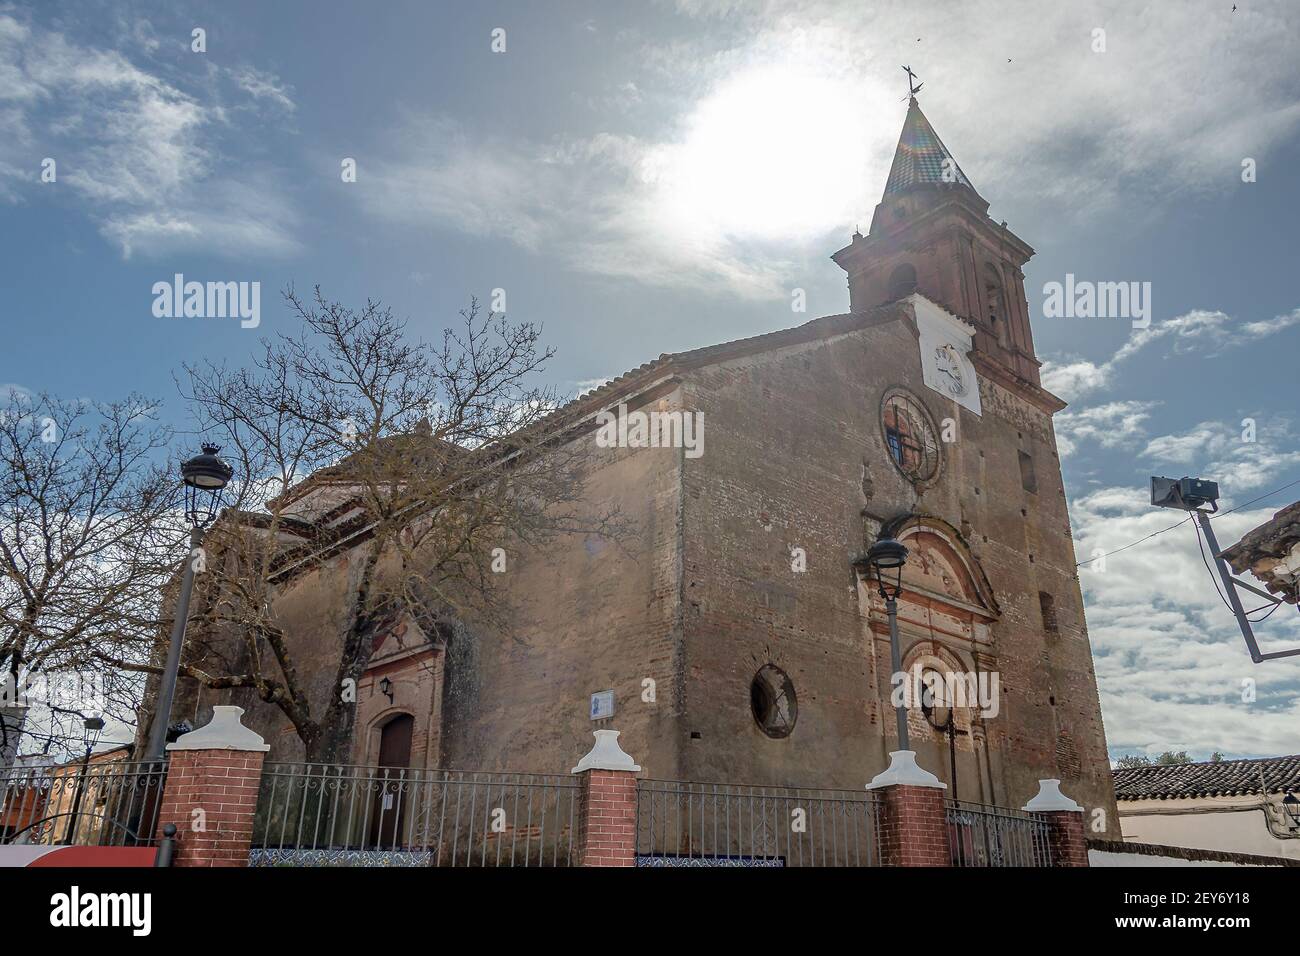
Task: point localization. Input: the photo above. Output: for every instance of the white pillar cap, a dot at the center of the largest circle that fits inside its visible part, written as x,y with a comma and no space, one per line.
904,771
606,754
1049,798
223,732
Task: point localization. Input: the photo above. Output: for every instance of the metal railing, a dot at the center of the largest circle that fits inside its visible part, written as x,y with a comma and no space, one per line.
980,835
104,804
706,824
336,815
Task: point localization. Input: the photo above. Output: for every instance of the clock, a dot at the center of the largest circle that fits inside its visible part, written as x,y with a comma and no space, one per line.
948,365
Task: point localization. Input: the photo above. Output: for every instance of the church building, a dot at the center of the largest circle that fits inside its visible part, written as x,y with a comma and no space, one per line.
740,638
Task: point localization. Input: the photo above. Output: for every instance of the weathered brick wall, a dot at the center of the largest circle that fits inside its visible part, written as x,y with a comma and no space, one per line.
587,615
793,436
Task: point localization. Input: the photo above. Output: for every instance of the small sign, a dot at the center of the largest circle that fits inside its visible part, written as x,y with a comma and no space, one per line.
602,705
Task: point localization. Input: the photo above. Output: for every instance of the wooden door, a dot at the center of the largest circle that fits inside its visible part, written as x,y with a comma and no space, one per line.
394,790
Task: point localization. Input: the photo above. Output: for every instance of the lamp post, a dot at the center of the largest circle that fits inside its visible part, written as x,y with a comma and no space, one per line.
1292,807
204,475
91,728
885,560
942,716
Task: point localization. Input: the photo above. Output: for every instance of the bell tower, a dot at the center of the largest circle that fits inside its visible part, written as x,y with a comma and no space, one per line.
931,233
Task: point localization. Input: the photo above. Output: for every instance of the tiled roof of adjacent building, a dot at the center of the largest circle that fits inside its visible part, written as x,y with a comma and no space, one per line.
919,158
1223,778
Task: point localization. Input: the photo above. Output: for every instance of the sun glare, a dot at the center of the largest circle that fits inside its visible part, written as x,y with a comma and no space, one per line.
775,153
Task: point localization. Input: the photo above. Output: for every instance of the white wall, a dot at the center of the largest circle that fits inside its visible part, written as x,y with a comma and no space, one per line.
1236,824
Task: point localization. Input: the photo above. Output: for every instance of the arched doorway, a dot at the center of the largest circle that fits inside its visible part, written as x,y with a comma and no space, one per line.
395,786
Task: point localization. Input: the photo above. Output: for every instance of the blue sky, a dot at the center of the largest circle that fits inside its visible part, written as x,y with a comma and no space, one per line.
645,178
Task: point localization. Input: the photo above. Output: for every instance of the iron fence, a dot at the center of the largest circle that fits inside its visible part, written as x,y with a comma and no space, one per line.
979,835
707,824
105,804
336,815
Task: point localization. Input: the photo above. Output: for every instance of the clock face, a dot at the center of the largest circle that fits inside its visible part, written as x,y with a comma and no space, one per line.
947,362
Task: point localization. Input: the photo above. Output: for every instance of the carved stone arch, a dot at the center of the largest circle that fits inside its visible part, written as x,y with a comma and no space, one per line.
941,565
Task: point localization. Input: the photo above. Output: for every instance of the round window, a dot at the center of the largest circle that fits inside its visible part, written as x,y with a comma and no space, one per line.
771,698
909,437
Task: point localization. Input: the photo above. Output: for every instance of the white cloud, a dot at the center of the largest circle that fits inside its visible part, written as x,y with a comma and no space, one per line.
139,150
268,86
1169,657
1199,330
1222,451
595,204
782,128
1112,425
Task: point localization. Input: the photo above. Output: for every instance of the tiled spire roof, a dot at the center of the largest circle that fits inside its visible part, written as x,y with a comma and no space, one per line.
920,155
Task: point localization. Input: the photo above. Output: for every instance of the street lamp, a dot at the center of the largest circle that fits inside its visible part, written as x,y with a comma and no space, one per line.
204,475
885,560
1292,807
943,716
91,728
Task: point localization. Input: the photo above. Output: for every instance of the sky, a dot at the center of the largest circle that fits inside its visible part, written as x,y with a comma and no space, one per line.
653,177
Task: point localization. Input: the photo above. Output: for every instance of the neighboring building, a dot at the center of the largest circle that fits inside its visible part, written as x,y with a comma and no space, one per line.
918,414
78,793
1271,553
1241,806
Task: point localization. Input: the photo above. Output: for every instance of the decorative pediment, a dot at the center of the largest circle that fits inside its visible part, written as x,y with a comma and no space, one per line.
945,595
941,567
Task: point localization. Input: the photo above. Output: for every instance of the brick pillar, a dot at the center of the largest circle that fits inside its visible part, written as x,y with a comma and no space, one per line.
216,769
1064,818
1065,823
606,804
913,825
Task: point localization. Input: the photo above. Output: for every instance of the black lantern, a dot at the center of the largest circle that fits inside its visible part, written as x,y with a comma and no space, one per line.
1292,807
386,688
934,703
885,559
92,727
205,476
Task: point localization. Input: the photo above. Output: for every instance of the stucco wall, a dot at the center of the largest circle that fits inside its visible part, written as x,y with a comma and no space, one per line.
1235,824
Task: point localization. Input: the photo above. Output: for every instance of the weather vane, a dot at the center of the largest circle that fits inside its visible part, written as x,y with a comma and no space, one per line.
912,86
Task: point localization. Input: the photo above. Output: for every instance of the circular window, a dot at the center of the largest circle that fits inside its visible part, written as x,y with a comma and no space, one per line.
771,698
909,436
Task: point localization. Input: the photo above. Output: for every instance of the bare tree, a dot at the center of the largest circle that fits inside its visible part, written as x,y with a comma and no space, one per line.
416,460
90,531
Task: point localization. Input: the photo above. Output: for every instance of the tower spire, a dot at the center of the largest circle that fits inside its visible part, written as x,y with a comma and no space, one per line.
921,159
